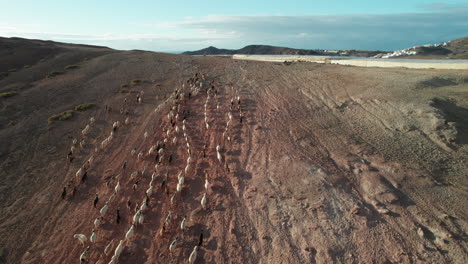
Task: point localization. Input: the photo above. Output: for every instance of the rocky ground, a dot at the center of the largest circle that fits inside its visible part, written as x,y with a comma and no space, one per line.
330,164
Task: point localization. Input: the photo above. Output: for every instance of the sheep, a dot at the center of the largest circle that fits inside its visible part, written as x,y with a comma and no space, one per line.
179,187
74,142
82,238
207,184
127,121
136,217
72,149
181,180
173,198
188,144
144,206
156,166
207,126
219,157
177,129
133,152
168,218
92,120
108,247
79,173
111,198
130,232
151,150
149,191
85,130
117,187
104,209
203,201
218,148
193,255
118,249
145,135
140,155
165,140
187,168
92,238
183,223
173,245
134,174
160,151
84,255
189,159
174,141
143,172
97,221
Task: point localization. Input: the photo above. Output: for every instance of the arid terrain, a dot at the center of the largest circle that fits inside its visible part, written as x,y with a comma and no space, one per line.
319,164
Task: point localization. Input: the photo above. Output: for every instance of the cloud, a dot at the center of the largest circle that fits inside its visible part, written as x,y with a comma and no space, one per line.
437,23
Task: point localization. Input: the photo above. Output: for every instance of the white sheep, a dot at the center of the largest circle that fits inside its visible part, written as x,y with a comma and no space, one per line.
151,150
145,135
207,184
97,221
141,218
187,168
74,141
218,148
219,157
140,155
203,201
82,238
136,217
181,180
84,255
168,218
134,174
72,149
133,152
92,120
108,247
117,187
173,198
92,238
111,198
79,173
183,223
179,187
127,121
149,191
118,249
189,159
173,245
104,209
174,141
130,232
193,255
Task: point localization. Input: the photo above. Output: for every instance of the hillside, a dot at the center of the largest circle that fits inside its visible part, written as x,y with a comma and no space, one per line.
455,49
318,163
272,50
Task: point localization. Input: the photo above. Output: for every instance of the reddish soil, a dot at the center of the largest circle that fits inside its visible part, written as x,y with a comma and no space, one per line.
331,164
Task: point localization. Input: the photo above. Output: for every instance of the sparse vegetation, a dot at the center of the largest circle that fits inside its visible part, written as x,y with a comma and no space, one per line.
12,123
124,91
27,66
123,85
135,82
69,67
60,117
8,94
83,107
53,73
12,70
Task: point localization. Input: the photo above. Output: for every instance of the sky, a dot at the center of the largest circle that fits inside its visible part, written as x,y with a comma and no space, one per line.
172,25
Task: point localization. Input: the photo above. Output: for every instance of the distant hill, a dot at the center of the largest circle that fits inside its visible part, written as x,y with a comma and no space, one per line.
455,49
273,50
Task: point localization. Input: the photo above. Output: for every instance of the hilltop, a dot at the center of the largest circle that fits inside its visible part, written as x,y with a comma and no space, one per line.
317,163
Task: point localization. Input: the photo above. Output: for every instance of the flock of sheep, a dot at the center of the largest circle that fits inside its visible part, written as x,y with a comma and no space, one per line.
177,127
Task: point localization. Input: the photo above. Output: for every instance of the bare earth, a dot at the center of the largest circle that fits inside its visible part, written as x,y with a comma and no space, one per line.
331,164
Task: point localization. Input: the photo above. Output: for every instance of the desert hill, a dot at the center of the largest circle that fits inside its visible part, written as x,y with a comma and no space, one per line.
316,163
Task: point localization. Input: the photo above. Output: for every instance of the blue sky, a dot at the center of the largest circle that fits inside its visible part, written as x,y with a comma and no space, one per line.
189,25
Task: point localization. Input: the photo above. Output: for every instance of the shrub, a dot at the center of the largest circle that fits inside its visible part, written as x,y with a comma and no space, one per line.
83,107
62,116
135,82
8,94
53,73
69,67
3,75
